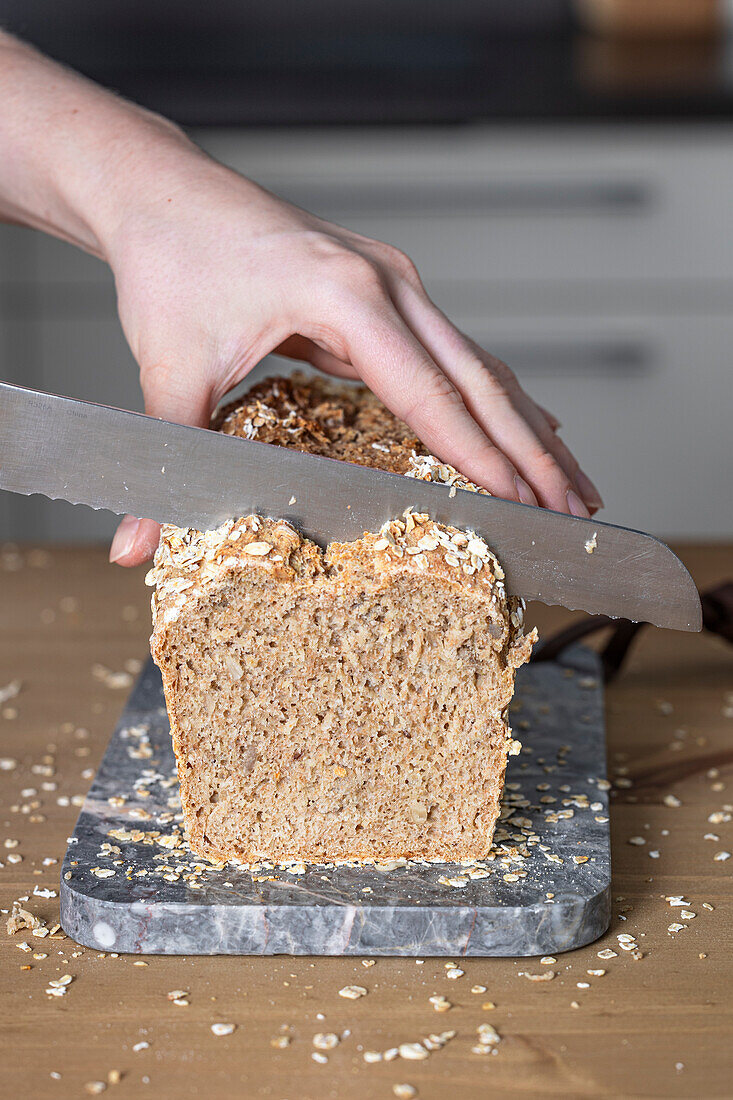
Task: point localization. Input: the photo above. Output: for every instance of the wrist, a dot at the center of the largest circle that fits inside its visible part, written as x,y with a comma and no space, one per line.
166,183
138,160
72,152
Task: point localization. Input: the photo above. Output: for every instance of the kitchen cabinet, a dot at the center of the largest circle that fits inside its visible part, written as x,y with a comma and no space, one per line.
520,205
645,404
597,262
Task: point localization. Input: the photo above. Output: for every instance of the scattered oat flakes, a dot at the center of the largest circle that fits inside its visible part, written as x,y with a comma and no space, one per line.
59,983
10,691
223,1029
325,1041
44,892
488,1039
545,976
487,1034
111,679
413,1052
439,1003
404,1092
352,992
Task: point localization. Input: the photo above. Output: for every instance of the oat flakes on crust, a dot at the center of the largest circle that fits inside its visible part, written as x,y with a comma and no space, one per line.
310,413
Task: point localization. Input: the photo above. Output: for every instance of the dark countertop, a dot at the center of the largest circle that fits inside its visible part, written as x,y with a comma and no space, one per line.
322,62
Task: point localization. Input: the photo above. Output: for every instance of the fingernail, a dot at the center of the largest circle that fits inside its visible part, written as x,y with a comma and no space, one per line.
590,494
576,506
524,492
124,538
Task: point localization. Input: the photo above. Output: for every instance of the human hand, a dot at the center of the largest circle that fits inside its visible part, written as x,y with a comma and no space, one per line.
213,273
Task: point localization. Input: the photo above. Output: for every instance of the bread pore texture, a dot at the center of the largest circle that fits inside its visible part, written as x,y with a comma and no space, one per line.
341,705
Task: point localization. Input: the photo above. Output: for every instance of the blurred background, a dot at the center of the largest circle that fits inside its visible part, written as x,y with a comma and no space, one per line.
561,173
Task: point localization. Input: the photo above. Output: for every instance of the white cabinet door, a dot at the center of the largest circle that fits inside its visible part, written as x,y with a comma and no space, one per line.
646,404
492,203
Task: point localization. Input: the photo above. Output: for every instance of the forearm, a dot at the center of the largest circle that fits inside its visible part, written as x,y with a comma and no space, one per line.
71,154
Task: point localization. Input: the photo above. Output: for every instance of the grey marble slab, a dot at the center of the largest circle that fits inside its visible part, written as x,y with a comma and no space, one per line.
130,884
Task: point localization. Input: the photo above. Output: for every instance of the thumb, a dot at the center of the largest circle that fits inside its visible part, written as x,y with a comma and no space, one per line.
185,398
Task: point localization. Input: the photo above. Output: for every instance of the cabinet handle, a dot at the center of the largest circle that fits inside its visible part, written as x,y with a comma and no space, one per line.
574,356
469,199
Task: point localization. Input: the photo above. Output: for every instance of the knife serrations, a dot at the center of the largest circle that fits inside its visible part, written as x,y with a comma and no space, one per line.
129,463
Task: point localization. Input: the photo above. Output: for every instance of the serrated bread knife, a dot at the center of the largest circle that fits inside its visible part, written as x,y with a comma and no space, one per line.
128,463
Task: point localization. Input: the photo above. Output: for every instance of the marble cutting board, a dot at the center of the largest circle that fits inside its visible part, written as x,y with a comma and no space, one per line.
130,884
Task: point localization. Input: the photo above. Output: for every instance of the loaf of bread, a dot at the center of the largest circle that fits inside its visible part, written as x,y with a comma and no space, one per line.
341,704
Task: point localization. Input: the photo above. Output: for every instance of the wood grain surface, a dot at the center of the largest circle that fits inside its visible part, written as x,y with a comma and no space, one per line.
656,1026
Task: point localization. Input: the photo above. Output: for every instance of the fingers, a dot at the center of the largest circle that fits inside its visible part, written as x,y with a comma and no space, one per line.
590,494
551,419
515,424
298,347
399,370
183,397
135,541
543,424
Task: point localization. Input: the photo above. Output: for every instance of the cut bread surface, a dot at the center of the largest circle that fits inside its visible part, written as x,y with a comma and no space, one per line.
346,704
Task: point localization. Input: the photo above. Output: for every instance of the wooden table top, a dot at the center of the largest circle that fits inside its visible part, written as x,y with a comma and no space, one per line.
659,1025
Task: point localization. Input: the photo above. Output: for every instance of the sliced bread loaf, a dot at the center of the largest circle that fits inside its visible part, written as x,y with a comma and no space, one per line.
346,704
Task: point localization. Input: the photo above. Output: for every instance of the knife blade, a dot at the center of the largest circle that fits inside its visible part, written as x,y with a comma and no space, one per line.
129,463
